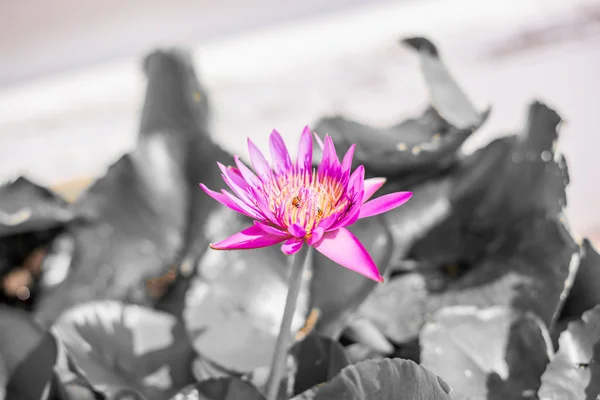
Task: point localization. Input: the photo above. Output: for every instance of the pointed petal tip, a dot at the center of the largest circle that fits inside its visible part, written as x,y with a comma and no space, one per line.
371,186
344,248
209,192
384,204
357,179
280,155
319,141
407,196
347,160
259,162
215,246
275,135
360,171
235,170
305,151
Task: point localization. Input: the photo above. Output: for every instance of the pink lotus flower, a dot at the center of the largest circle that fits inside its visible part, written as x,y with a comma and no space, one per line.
295,204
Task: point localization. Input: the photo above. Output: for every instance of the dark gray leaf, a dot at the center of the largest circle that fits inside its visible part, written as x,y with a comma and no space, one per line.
234,307
530,271
584,294
494,186
364,331
318,359
149,211
429,142
70,382
397,307
127,346
27,353
31,217
495,353
527,271
220,389
22,263
428,207
518,173
337,291
28,207
423,143
34,365
383,380
574,371
445,95
504,241
178,105
469,243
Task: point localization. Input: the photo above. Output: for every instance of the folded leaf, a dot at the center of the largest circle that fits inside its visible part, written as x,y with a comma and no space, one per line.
574,372
383,380
429,142
149,214
584,294
445,95
28,207
318,359
122,346
494,353
504,241
28,354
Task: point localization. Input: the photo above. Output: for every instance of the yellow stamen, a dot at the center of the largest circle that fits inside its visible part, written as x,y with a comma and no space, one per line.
305,198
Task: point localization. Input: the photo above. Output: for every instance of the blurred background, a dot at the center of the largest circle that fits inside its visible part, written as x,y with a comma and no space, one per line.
71,83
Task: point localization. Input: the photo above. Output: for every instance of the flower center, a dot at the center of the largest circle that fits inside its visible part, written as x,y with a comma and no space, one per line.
305,199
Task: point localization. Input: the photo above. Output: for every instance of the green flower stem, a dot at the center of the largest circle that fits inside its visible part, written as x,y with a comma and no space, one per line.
281,347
